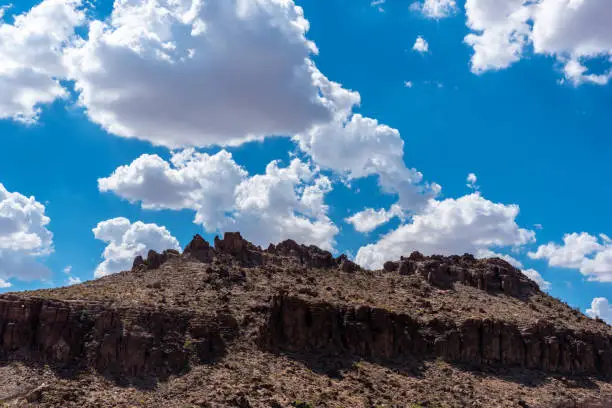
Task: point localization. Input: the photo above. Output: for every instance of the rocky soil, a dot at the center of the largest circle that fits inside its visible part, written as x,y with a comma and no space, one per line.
233,325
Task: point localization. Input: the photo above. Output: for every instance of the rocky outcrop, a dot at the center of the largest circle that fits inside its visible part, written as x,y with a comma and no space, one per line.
154,260
299,325
199,249
492,275
122,342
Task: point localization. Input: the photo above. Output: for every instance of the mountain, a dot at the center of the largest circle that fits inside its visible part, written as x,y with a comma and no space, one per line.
292,326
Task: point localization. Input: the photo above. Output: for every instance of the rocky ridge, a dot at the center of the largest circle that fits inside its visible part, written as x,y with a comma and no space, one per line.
301,301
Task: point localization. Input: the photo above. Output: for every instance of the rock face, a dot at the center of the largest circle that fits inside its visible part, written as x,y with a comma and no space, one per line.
221,305
298,325
122,342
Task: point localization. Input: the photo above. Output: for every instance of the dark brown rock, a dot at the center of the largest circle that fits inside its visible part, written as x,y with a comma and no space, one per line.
199,249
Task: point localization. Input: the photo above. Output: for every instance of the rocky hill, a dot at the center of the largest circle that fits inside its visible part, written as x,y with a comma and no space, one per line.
233,325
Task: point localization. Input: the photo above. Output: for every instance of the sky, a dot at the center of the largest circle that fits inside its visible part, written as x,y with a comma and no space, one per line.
372,128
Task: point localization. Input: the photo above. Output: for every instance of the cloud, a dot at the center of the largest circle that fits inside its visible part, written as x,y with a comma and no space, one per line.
600,307
24,237
537,278
435,9
284,202
378,4
197,181
451,226
4,284
573,31
31,50
471,181
359,147
73,281
408,84
192,73
591,255
421,45
126,240
370,219
68,269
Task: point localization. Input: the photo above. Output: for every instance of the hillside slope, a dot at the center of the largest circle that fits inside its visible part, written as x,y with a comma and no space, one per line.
235,325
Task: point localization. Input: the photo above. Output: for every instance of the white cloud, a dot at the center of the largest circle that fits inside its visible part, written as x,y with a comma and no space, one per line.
199,73
600,307
197,181
126,240
360,147
436,9
421,45
282,203
471,181
591,255
408,84
31,53
378,4
452,226
370,219
68,269
537,278
24,237
73,281
4,284
573,31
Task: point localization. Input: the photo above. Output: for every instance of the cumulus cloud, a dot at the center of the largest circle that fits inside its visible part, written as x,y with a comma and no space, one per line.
4,284
31,50
73,281
127,240
537,278
573,31
451,226
435,9
68,269
197,73
24,237
359,147
370,219
471,181
591,255
421,45
284,202
600,307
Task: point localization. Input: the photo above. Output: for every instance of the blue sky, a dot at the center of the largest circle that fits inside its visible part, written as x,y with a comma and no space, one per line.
374,163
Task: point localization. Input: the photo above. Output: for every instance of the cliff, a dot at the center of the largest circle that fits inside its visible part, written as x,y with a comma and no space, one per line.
236,325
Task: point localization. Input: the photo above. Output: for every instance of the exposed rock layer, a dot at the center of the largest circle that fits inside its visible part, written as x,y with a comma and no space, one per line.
373,333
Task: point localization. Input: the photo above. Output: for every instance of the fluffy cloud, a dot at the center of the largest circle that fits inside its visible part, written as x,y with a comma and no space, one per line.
537,278
471,181
591,255
435,9
600,307
370,219
421,45
73,281
467,224
357,147
24,236
282,203
127,240
31,50
200,182
573,31
4,284
198,73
